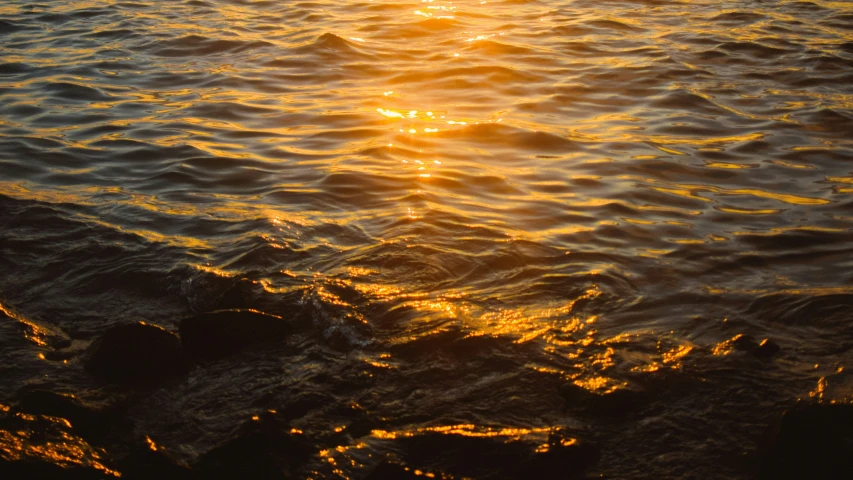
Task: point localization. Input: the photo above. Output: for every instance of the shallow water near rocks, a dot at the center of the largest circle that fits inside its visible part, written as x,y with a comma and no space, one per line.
487,220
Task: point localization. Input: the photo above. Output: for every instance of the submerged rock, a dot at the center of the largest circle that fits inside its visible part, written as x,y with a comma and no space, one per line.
241,294
743,343
214,335
264,448
136,353
615,404
813,441
766,349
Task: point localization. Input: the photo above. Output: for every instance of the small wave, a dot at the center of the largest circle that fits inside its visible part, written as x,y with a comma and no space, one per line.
510,137
739,18
199,45
75,92
614,25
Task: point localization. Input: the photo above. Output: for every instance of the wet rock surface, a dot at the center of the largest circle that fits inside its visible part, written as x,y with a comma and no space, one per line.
498,457
615,405
136,354
44,446
240,295
91,423
151,461
746,344
391,470
812,441
218,334
263,448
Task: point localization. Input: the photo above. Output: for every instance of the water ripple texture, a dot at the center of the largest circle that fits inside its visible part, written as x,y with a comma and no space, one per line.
489,220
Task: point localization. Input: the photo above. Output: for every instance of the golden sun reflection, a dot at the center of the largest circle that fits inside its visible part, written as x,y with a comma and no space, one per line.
57,447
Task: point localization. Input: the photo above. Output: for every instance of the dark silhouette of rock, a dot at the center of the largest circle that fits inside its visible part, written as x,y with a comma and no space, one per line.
136,353
743,343
151,461
390,470
90,423
43,470
766,349
241,294
362,422
264,448
497,457
615,404
213,335
812,441
561,458
46,447
618,403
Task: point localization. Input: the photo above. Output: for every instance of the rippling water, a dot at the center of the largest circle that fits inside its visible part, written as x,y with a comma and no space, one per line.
468,205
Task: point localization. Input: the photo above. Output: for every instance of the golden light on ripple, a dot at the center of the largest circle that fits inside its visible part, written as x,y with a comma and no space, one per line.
59,448
598,383
819,390
748,211
846,180
213,270
465,429
384,292
687,241
479,37
355,272
32,331
730,166
389,113
674,355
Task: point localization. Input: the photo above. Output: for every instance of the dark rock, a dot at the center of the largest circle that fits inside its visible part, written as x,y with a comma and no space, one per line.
390,470
151,461
43,470
73,350
743,343
618,403
614,404
464,455
812,441
41,334
214,335
263,448
746,344
562,457
45,402
766,349
574,395
496,456
136,353
362,422
46,447
91,423
241,294
355,420
303,403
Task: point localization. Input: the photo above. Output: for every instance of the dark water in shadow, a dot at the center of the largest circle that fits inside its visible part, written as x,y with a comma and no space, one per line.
476,214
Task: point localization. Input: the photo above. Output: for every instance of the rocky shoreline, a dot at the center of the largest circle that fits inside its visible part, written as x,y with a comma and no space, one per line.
46,434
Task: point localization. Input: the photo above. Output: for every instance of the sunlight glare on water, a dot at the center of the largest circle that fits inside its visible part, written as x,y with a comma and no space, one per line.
488,220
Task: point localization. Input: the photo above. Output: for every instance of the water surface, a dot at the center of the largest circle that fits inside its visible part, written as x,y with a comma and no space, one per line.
470,204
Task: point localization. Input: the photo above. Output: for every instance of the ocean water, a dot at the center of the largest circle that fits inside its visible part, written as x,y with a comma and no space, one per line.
476,213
